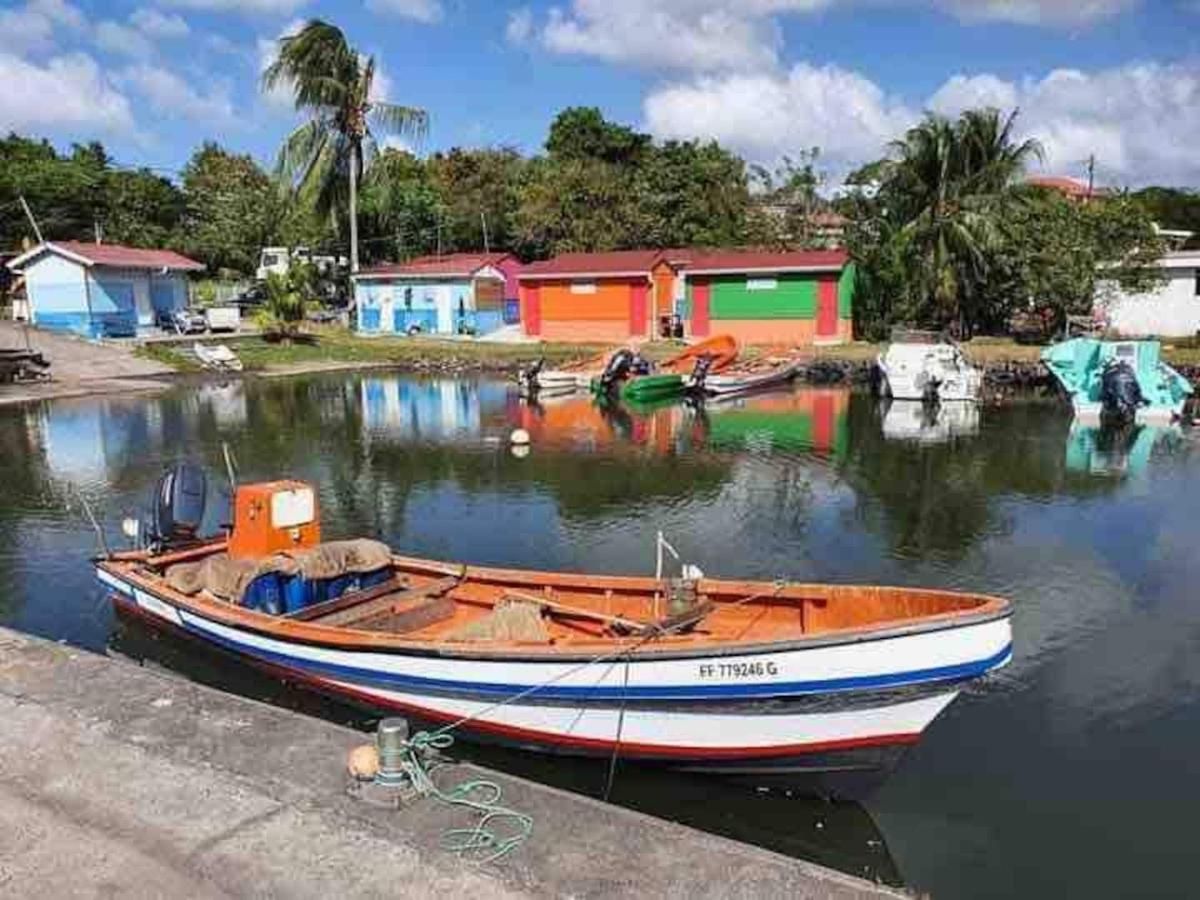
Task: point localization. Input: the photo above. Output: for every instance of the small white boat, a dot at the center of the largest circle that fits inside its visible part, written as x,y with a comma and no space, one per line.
922,367
220,357
744,381
535,379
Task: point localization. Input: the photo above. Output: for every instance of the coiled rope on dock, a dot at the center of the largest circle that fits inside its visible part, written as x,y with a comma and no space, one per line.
482,842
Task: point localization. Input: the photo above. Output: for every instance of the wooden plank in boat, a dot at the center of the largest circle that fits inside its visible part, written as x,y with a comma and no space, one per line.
386,605
351,599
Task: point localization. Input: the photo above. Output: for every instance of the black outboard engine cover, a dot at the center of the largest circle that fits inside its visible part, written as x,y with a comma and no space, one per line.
1120,393
527,379
619,366
700,372
179,500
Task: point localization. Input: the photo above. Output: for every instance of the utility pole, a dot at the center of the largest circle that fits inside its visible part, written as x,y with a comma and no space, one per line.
98,232
1091,167
32,221
439,234
483,221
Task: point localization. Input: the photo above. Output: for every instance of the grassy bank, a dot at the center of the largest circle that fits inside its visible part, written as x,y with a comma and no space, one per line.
336,347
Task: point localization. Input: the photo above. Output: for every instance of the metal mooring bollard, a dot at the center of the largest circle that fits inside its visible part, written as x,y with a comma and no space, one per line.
391,737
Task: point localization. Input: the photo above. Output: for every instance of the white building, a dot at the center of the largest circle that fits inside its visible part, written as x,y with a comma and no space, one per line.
1173,310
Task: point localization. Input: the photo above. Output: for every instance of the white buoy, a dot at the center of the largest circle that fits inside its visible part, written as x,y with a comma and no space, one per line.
519,437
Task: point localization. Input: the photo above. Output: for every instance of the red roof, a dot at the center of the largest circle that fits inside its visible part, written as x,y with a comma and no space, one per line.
767,261
574,265
1071,187
118,256
451,265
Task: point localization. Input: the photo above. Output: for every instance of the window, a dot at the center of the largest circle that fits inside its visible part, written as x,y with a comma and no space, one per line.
408,299
762,284
583,287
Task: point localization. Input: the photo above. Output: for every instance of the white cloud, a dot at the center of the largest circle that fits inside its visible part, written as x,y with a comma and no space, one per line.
699,35
1141,121
250,7
31,27
279,98
766,115
425,11
520,26
159,24
113,37
68,92
169,95
1038,12
744,35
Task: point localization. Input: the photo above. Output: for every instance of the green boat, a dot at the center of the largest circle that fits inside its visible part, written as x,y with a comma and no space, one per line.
1124,380
652,387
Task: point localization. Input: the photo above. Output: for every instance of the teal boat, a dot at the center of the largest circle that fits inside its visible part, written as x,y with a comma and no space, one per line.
1118,380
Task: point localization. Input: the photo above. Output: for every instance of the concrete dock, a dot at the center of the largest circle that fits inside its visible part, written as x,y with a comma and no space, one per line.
118,780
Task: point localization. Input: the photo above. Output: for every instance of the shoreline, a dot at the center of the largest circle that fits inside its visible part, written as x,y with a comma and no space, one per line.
1008,367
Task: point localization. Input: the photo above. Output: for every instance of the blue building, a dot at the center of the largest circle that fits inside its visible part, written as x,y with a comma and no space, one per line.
102,290
462,293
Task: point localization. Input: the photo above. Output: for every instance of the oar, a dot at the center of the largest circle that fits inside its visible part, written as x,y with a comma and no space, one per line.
631,624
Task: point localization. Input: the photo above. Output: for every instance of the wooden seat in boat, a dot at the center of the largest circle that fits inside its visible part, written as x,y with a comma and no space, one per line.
390,607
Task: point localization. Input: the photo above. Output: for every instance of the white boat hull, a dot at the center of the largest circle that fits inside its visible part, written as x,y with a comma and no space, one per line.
909,371
775,706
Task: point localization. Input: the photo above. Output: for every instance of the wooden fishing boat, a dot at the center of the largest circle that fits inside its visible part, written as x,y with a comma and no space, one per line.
724,675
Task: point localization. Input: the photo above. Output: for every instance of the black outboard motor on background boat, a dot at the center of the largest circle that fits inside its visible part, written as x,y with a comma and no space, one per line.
1120,393
700,373
623,364
527,379
179,500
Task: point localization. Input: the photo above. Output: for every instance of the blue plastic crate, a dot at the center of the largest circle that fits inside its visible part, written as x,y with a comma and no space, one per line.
265,594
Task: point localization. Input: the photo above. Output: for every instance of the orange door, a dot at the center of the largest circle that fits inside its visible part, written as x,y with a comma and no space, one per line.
637,308
531,314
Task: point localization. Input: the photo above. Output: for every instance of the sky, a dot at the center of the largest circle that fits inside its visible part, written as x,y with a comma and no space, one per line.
152,79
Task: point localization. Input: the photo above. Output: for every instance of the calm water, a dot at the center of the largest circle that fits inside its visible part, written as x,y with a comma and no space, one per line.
1075,769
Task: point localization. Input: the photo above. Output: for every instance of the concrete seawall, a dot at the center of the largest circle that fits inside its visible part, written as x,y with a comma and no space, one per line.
117,780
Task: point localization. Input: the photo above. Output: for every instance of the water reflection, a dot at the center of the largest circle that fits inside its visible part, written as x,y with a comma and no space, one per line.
1123,450
804,484
912,420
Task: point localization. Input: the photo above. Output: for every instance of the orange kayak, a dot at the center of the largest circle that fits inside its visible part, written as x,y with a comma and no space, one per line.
722,348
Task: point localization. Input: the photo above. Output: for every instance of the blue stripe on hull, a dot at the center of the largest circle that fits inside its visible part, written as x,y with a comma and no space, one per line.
396,681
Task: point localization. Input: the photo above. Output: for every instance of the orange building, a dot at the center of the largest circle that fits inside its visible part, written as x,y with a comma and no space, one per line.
601,297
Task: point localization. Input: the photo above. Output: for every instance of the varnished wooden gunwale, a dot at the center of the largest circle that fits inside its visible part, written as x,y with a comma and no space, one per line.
481,585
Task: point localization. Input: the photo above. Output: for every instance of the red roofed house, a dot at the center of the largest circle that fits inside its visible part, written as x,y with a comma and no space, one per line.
102,290
798,297
458,293
1071,188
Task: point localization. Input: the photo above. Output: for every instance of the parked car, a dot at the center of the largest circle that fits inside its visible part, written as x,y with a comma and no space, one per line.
182,321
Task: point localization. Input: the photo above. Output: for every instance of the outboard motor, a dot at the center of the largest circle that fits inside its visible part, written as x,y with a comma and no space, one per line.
619,367
527,379
1120,393
179,500
700,373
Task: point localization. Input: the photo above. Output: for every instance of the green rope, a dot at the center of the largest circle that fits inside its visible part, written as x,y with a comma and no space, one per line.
481,843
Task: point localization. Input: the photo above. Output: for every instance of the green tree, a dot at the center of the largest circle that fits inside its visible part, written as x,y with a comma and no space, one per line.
287,301
941,198
1060,259
785,201
582,132
400,208
1173,208
231,209
692,194
140,209
334,84
471,182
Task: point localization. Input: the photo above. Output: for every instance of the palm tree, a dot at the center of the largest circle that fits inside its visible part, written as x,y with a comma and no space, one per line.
333,83
946,187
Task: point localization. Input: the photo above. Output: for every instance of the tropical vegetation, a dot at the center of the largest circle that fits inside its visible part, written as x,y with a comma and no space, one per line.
944,229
